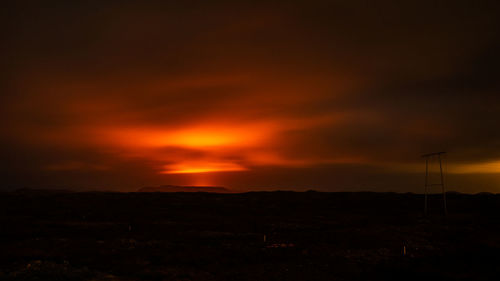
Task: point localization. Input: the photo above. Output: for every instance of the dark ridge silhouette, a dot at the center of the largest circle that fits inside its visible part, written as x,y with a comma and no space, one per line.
486,194
41,191
177,188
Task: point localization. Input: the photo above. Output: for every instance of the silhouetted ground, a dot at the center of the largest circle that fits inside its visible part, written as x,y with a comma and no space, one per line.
202,236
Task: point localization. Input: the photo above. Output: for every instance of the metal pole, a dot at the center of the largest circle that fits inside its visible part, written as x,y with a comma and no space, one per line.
442,185
426,182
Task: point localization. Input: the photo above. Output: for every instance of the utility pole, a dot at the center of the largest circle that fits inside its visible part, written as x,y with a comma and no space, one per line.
428,157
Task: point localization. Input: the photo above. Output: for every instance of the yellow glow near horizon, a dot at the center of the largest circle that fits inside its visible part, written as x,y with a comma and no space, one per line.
492,167
192,168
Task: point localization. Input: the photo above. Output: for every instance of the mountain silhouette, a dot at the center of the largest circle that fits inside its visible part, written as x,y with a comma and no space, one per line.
177,188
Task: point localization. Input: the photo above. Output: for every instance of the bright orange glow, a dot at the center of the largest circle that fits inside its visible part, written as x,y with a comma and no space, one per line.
201,139
188,168
208,147
248,129
195,137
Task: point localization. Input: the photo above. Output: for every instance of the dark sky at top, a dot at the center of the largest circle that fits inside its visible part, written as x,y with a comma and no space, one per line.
327,95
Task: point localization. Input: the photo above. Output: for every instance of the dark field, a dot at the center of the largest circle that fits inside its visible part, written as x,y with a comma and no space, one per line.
201,236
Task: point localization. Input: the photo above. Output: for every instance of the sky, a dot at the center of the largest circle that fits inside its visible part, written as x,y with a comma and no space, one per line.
250,95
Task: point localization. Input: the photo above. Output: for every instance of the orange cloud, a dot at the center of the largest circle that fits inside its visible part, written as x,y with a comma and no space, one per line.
201,167
216,147
202,137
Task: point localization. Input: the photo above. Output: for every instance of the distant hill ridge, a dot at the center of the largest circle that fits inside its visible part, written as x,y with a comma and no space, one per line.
177,188
41,190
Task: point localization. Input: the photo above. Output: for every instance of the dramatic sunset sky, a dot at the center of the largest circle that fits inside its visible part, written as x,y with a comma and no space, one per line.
251,95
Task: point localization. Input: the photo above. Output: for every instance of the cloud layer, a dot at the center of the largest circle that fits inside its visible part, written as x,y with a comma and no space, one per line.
334,95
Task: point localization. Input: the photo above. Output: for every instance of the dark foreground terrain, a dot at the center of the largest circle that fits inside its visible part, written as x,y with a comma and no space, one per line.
252,236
